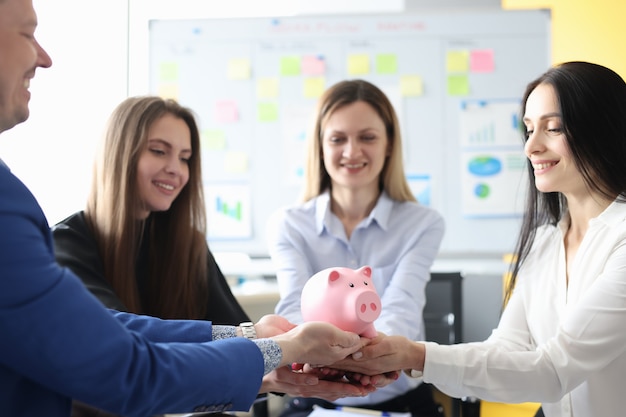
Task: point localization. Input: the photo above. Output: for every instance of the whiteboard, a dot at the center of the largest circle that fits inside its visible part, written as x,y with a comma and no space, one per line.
455,80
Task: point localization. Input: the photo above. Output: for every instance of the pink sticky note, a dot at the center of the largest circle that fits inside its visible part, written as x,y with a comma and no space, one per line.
226,111
481,60
313,65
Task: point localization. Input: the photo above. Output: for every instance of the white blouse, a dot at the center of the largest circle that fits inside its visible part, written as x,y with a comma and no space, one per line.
558,344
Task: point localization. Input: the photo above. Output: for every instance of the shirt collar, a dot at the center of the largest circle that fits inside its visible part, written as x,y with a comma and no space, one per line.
613,215
380,214
322,211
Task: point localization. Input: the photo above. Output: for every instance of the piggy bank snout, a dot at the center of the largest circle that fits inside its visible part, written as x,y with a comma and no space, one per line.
368,306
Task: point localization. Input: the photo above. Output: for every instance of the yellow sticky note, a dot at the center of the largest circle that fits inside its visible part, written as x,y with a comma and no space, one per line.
267,87
314,87
236,162
458,85
213,139
386,63
411,86
169,91
267,112
358,64
168,72
457,61
239,69
290,65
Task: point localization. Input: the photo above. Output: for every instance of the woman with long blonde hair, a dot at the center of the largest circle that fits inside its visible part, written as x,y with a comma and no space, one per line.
140,245
357,210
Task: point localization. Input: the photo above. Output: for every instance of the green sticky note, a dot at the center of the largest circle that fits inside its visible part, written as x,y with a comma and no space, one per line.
458,85
267,112
168,72
386,63
213,139
290,65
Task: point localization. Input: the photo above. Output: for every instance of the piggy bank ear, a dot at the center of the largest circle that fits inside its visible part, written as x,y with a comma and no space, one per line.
333,275
365,270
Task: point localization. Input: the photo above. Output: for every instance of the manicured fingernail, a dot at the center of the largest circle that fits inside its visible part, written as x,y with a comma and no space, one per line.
357,355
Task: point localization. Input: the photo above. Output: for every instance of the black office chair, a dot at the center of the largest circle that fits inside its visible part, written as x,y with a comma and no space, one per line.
443,315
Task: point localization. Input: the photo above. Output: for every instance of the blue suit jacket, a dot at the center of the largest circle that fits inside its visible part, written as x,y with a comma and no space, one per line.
58,342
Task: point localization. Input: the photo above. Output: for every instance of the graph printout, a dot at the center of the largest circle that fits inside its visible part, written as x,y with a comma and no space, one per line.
492,159
228,211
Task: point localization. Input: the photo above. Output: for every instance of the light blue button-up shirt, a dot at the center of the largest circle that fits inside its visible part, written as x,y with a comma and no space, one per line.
398,240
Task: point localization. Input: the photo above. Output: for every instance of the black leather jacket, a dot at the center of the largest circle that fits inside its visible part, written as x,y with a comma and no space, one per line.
76,248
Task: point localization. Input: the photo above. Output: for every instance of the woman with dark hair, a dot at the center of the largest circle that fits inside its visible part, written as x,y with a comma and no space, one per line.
357,209
561,339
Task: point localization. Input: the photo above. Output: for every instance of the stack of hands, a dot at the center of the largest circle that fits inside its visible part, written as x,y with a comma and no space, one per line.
323,361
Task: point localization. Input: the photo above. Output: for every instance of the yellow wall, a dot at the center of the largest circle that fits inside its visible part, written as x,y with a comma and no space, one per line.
584,30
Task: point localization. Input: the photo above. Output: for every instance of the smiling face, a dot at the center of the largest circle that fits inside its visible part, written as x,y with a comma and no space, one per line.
354,146
20,56
546,145
163,166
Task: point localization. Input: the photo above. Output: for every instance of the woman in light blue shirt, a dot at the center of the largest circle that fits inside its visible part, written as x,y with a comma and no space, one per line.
359,210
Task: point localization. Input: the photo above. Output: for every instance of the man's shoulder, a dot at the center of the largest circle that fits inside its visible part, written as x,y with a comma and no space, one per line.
16,198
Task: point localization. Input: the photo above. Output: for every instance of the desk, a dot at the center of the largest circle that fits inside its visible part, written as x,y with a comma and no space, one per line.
244,266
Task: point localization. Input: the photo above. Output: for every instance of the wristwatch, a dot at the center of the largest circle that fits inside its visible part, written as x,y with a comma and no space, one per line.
247,330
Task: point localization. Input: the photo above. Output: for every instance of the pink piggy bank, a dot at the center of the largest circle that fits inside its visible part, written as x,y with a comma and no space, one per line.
344,297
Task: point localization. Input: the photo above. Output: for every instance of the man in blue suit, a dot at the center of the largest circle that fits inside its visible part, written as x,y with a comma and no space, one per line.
57,342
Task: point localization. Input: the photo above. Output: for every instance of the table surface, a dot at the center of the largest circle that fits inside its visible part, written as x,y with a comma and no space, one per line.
242,265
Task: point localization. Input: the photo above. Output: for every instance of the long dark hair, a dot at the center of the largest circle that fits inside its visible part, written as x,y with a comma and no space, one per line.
592,101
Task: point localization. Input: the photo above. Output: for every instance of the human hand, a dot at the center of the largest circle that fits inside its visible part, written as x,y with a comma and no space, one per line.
303,384
377,381
272,325
385,354
317,343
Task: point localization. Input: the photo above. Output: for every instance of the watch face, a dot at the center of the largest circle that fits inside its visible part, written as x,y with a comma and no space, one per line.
248,330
